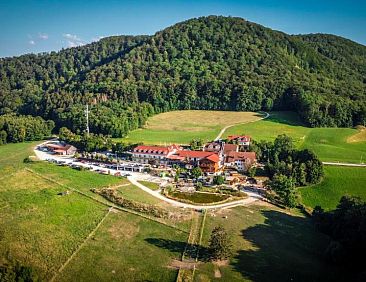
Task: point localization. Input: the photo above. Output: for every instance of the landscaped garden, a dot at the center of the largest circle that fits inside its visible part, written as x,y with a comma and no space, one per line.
198,197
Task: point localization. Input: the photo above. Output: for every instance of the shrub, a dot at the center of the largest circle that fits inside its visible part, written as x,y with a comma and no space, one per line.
111,195
27,160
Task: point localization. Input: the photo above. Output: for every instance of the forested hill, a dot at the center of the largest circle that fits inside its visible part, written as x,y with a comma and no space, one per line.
206,63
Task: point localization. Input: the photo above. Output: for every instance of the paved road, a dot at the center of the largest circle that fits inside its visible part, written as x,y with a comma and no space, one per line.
226,127
344,164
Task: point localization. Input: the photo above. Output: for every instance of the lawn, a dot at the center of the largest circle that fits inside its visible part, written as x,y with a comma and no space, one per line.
183,126
268,245
330,144
125,248
338,181
40,228
151,185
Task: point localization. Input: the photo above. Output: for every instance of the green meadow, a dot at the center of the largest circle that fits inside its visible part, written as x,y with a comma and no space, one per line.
182,126
338,181
123,249
42,226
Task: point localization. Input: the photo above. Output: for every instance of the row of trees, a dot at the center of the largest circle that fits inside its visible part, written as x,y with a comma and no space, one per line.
24,128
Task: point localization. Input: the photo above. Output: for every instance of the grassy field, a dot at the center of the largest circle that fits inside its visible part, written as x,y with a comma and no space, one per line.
151,185
338,181
183,126
40,228
12,155
268,245
123,250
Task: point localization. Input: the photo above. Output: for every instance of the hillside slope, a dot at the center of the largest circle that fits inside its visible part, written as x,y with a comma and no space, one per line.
211,62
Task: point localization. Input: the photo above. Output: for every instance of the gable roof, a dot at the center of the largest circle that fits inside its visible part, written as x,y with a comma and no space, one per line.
151,149
241,137
194,154
234,156
230,147
214,158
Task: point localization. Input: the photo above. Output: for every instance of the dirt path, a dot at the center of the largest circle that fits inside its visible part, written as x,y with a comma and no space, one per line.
344,164
231,125
191,251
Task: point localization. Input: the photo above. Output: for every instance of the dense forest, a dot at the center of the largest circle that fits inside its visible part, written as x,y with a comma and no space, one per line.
211,62
15,129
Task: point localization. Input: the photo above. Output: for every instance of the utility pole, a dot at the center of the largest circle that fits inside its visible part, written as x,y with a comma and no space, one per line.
87,119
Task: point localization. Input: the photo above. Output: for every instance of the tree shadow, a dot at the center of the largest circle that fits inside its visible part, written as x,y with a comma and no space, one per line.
285,248
286,117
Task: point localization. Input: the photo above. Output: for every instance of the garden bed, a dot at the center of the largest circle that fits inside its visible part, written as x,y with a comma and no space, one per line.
200,198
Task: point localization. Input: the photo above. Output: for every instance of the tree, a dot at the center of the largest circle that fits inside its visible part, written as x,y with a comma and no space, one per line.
196,144
220,245
218,180
196,172
3,137
118,148
199,185
285,188
252,171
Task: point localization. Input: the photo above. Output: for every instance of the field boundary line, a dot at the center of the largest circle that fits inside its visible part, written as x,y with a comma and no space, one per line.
194,241
81,245
105,203
200,240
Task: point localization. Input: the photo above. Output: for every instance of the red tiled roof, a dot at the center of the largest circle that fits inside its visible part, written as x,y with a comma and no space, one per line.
214,158
175,157
194,154
234,137
241,155
230,147
54,146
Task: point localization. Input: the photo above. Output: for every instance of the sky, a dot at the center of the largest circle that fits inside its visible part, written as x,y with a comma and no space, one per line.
30,26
